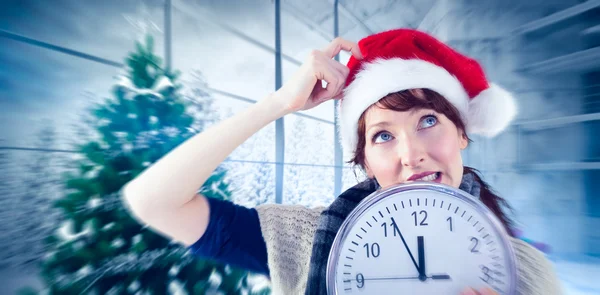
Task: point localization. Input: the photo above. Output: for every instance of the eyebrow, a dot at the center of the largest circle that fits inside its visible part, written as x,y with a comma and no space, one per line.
385,123
379,124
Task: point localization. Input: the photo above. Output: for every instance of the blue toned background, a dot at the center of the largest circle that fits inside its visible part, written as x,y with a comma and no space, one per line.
58,57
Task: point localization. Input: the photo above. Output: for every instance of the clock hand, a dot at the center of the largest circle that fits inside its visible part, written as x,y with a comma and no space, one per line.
391,278
433,277
421,244
405,245
439,277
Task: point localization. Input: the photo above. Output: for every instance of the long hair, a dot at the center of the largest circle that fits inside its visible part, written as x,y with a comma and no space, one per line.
428,99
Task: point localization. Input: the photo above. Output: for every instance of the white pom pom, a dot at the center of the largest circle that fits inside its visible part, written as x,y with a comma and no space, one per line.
491,111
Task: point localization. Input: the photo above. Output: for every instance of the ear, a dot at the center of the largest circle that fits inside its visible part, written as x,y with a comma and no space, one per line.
463,140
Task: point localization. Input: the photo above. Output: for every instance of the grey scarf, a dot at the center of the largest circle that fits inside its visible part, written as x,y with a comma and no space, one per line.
332,218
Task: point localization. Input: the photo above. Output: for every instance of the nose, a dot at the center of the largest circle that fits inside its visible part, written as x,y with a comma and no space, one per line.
411,151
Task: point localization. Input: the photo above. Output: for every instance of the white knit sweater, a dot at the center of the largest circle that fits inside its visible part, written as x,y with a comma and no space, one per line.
288,231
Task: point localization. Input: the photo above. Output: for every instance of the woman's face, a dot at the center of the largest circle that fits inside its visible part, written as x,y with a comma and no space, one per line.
418,144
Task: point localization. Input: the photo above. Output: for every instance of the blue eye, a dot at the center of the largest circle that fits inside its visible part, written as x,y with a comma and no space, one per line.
383,136
428,121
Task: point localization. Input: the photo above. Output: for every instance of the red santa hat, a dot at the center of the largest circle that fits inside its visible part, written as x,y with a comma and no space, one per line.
405,59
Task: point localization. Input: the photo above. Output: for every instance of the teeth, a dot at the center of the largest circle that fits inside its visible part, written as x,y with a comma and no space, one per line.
429,177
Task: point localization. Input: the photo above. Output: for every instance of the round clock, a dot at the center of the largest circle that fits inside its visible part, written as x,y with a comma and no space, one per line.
420,238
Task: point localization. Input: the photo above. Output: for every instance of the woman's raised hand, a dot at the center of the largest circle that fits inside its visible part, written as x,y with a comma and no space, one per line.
304,90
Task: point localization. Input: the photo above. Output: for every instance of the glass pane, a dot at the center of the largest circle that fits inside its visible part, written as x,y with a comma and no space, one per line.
101,28
317,18
47,89
309,172
300,33
251,166
254,19
260,146
251,184
351,176
227,62
29,184
310,186
308,141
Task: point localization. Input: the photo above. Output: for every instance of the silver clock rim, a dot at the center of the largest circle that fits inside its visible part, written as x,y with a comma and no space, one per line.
376,196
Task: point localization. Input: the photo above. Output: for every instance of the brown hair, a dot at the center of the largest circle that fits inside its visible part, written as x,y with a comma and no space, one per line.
428,99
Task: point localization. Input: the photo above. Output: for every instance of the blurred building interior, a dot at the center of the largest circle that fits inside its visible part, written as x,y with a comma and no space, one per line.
56,58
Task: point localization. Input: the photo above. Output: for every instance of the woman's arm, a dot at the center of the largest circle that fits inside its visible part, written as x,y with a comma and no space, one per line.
164,195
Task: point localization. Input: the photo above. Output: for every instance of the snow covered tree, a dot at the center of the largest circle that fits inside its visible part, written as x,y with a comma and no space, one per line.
308,180
27,212
99,248
7,200
324,177
253,182
296,183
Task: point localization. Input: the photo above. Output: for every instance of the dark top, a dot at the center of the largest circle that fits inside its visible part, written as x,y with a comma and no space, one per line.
234,237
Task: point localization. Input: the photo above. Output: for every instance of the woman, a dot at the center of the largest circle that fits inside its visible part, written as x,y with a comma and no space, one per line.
408,102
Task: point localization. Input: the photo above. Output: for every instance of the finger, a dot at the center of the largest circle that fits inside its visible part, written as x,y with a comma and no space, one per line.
339,86
318,93
343,71
339,44
334,80
324,94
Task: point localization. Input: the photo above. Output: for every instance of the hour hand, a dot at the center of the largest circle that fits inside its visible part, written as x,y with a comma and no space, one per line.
421,252
439,277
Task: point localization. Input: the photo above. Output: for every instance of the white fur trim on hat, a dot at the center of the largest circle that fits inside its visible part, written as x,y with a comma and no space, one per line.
491,111
384,76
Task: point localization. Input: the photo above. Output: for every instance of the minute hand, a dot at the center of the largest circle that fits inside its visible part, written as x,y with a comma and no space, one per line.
405,245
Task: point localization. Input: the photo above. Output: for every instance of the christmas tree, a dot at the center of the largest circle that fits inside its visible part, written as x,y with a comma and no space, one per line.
99,248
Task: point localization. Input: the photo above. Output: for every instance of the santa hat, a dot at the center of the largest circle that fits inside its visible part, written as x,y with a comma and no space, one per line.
405,59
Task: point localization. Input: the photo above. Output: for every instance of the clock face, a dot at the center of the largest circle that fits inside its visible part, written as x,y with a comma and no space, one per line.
420,238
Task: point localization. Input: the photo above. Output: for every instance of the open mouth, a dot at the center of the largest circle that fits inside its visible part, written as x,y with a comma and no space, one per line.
435,177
